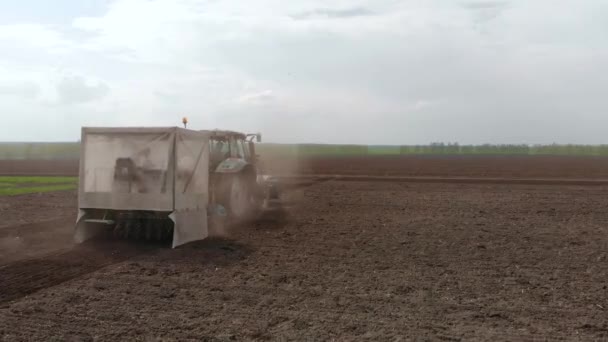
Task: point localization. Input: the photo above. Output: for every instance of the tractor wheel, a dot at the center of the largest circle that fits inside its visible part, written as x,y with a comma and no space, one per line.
239,197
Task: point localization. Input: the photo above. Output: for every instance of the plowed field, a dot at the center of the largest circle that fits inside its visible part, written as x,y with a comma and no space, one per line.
405,165
344,260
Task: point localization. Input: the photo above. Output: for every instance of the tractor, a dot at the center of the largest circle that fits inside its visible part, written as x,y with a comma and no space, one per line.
168,183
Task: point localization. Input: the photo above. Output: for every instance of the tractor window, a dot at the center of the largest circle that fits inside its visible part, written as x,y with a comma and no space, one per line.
245,146
220,149
238,148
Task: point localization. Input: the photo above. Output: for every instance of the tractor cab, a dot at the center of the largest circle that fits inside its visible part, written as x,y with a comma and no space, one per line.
229,148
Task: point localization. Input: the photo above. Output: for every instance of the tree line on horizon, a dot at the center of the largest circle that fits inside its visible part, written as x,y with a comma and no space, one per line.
71,150
440,148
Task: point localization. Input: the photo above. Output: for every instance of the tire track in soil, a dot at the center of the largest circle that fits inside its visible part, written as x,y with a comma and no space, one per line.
22,278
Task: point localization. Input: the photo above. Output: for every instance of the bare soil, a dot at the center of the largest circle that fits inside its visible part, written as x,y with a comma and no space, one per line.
32,208
345,261
447,166
39,167
34,225
413,166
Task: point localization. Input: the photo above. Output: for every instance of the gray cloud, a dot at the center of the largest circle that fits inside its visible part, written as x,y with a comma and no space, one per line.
257,98
484,5
74,90
380,71
25,89
333,13
167,96
486,11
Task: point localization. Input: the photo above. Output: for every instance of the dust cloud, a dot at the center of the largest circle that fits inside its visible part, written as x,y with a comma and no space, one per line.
279,164
10,244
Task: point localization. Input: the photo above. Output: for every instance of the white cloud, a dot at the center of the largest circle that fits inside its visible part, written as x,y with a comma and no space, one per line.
34,35
75,89
26,90
365,71
260,97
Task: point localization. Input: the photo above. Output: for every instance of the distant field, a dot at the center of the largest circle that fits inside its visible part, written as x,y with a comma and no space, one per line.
16,185
71,150
39,151
433,149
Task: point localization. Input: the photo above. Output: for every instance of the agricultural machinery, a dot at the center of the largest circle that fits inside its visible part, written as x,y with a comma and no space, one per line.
168,183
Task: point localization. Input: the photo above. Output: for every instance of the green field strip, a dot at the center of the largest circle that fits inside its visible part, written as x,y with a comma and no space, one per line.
12,191
15,180
18,185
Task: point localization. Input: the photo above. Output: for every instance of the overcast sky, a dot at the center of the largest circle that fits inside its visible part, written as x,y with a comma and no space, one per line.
356,71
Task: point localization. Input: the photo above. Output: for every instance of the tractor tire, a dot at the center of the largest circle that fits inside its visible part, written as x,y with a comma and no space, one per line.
239,197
